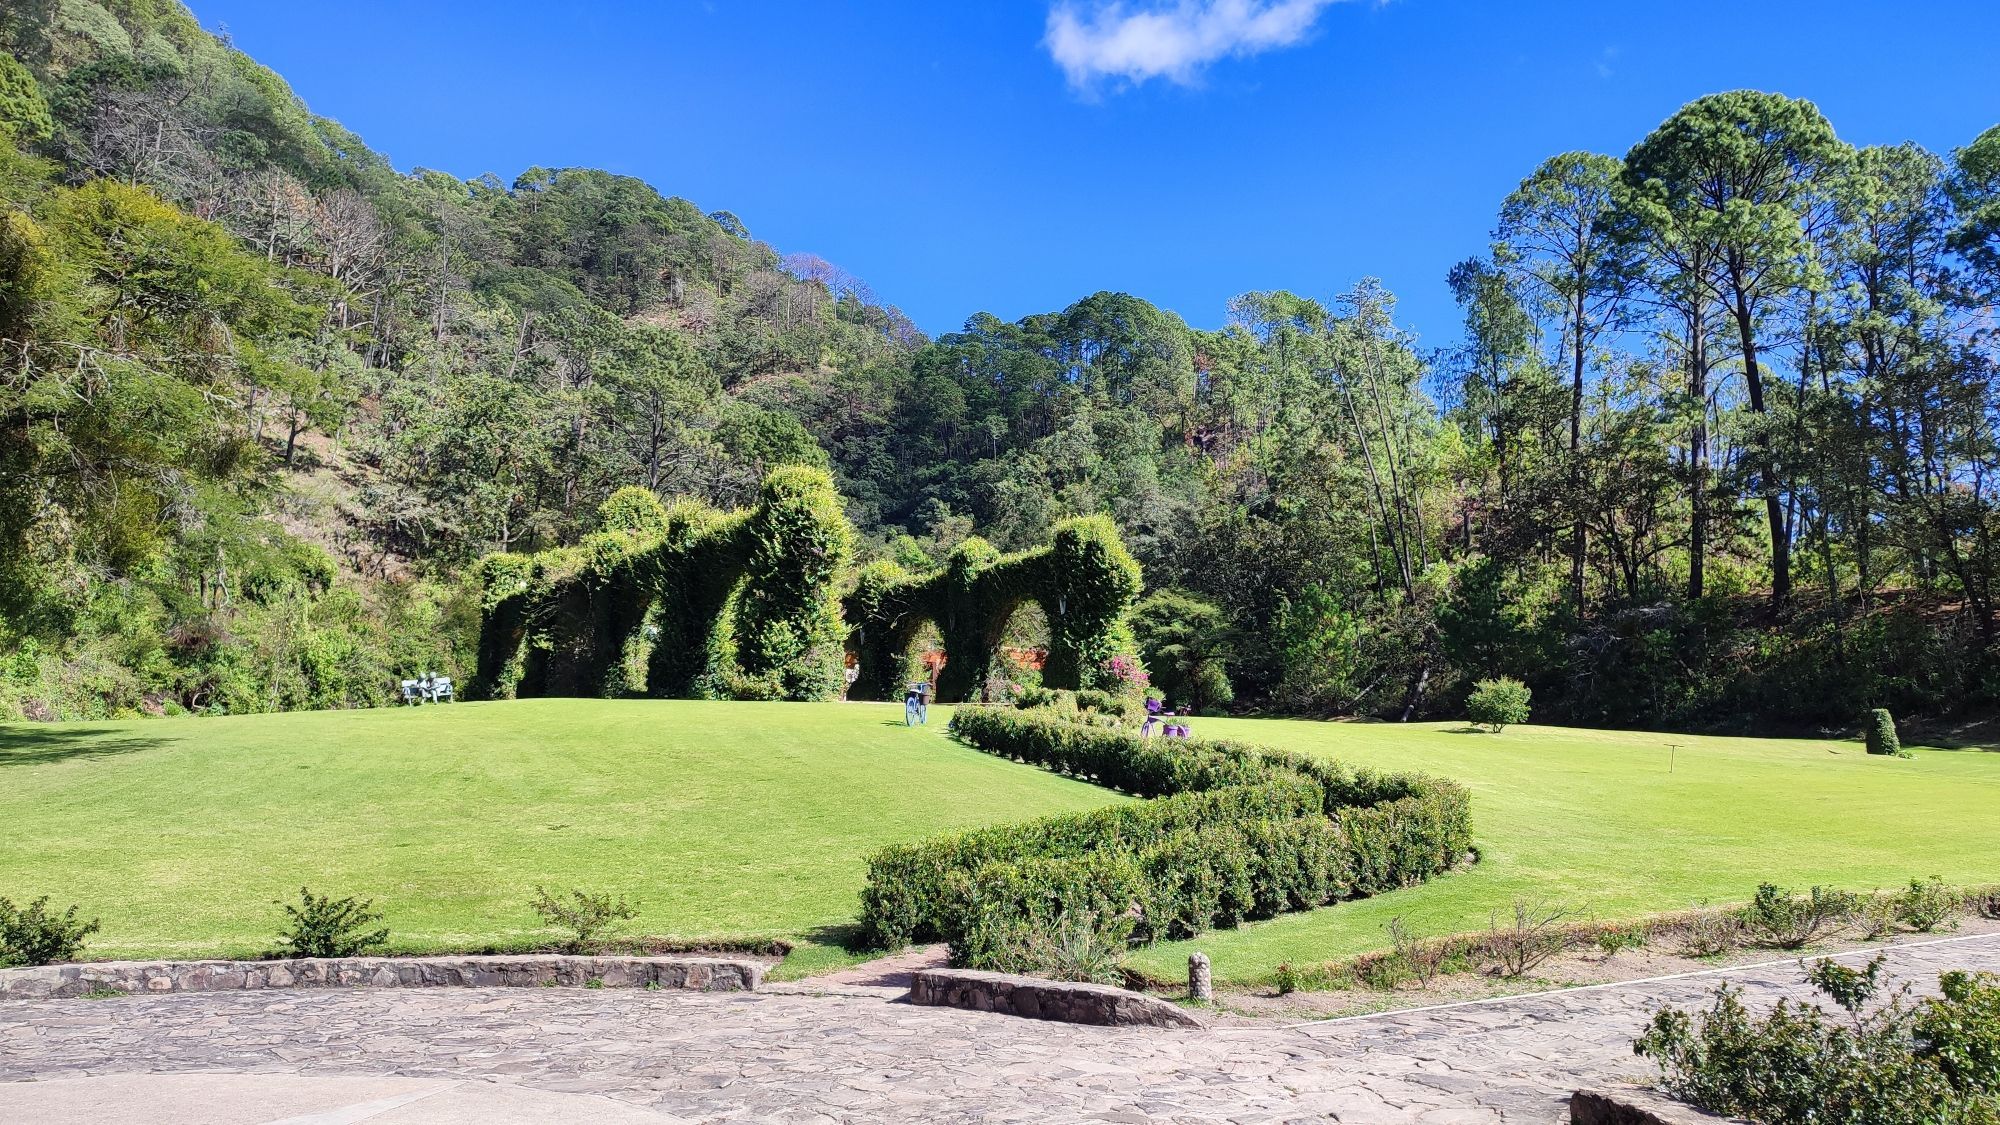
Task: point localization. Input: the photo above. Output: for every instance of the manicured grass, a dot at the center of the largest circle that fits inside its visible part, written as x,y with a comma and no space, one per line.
727,820
1596,820
718,819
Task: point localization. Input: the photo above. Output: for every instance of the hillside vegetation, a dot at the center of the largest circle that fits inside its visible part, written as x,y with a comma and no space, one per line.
1718,447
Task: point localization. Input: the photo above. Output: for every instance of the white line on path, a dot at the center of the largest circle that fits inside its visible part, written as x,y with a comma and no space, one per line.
1869,951
362,1111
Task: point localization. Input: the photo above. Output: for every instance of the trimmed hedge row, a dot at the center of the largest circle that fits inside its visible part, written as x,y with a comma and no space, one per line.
1235,833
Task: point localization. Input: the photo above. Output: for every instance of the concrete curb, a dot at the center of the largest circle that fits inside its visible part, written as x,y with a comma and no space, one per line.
702,974
1040,999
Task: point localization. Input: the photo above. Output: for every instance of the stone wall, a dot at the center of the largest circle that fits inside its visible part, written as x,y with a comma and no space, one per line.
1044,999
705,974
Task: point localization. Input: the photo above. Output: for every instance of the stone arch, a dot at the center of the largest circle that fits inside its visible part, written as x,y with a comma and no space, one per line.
1084,581
739,603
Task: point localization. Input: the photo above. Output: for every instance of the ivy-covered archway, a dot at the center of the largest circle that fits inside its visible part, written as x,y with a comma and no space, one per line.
708,603
1084,581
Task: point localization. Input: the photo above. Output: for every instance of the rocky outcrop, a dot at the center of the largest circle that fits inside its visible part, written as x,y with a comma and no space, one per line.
703,974
1634,1105
1045,999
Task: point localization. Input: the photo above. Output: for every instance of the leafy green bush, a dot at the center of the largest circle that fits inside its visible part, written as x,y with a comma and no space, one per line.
323,926
1784,920
1496,703
34,935
1928,905
1881,734
1611,942
1902,1063
1234,833
1286,979
586,916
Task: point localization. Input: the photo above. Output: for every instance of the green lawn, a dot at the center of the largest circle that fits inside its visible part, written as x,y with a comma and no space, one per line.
1595,819
744,820
720,819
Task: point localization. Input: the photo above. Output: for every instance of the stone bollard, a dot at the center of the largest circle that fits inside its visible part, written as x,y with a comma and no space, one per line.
1201,985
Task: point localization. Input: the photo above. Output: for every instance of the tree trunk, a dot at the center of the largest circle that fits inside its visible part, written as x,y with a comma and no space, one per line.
1766,465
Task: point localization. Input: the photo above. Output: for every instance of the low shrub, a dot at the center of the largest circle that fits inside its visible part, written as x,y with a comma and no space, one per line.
1535,933
1233,833
1102,702
1901,1063
586,916
1709,933
323,926
1287,978
1880,732
1424,959
1611,942
1783,920
1987,904
1073,950
36,935
1877,916
1497,703
1928,905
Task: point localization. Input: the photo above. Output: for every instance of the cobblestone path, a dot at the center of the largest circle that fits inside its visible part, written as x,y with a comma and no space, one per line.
795,1057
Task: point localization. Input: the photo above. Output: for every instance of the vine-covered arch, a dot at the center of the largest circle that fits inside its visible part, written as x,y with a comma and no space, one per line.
706,602
1084,580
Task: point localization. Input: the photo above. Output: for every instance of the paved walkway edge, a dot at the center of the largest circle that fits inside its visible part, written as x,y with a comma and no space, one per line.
702,974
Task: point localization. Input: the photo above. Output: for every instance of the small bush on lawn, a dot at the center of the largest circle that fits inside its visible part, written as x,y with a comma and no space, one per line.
323,926
1534,934
1424,959
34,935
1710,933
1494,704
1881,734
1928,906
1783,920
1617,940
586,916
1878,915
1902,1063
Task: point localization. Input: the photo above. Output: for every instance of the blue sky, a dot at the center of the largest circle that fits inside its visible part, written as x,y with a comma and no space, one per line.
1012,156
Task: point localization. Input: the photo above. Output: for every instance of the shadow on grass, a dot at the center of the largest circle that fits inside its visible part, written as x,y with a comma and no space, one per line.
33,746
846,935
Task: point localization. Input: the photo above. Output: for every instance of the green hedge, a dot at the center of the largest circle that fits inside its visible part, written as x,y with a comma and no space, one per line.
1234,833
707,602
1084,580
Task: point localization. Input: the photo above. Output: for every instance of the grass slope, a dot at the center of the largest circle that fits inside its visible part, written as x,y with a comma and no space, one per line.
1596,820
719,819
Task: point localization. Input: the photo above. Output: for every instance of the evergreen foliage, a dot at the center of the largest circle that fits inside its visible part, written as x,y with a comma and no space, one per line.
707,603
265,400
1084,582
1496,703
1881,733
1231,833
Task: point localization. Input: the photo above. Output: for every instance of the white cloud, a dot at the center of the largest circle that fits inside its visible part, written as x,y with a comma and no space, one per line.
1110,39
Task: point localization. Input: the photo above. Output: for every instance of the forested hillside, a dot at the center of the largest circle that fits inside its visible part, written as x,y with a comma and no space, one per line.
1719,448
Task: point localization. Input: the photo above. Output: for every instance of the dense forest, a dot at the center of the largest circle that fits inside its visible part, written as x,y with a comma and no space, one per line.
1718,449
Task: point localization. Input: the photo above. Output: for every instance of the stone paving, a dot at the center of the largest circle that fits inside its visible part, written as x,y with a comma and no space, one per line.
857,1056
